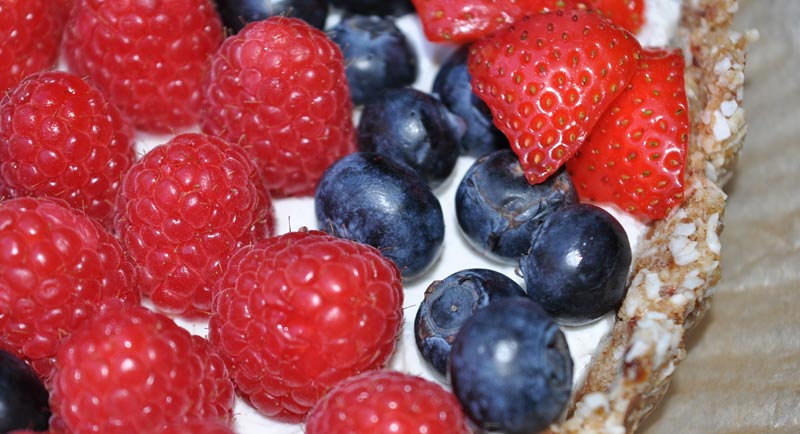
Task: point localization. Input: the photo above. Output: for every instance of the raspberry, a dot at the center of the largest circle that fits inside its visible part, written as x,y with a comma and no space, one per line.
130,370
183,209
295,314
380,402
60,138
197,426
279,89
56,267
146,57
30,36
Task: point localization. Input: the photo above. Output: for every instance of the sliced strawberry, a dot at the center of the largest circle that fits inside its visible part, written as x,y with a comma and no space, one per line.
626,13
462,21
635,157
548,78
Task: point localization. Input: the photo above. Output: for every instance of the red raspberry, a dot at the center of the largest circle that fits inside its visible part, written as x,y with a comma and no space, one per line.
387,402
130,370
57,266
297,313
279,89
60,138
183,209
30,36
148,57
197,426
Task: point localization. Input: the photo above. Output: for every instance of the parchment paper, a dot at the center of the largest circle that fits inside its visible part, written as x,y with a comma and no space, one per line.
742,373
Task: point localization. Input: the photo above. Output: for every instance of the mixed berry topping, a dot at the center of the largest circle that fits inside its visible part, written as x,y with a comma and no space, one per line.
105,251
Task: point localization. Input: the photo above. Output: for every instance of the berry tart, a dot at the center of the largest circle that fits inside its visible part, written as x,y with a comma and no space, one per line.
311,328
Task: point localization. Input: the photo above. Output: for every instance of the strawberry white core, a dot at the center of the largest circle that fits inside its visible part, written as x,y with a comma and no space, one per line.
661,23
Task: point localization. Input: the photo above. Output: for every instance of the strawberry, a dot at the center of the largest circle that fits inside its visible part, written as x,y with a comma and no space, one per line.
183,209
385,402
279,89
131,370
625,13
547,80
635,157
57,266
147,57
30,37
463,21
295,314
59,137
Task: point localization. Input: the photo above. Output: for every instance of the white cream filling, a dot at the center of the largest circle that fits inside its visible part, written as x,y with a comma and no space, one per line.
661,22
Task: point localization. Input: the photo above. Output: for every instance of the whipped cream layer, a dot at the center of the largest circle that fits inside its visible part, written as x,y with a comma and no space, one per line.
662,18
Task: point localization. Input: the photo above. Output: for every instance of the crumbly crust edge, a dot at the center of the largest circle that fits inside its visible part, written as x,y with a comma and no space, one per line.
678,265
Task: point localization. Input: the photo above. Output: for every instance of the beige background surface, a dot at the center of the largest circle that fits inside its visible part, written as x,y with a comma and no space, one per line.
742,374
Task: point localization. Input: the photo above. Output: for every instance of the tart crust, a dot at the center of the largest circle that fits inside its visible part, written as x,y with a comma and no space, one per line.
678,263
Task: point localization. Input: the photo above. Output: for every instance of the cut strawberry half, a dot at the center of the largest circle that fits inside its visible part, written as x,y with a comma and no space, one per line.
464,21
547,80
635,157
625,13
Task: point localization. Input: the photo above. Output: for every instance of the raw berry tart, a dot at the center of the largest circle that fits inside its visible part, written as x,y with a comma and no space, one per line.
303,269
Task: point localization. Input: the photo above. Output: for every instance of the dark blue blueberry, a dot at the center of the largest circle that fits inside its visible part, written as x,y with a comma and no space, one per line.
449,303
375,7
371,199
23,397
236,14
497,209
413,128
377,56
452,84
578,265
510,367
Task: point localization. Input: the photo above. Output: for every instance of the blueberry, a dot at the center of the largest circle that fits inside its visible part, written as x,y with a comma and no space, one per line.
450,302
236,14
452,84
23,397
371,199
376,7
578,265
510,367
497,209
377,55
412,128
